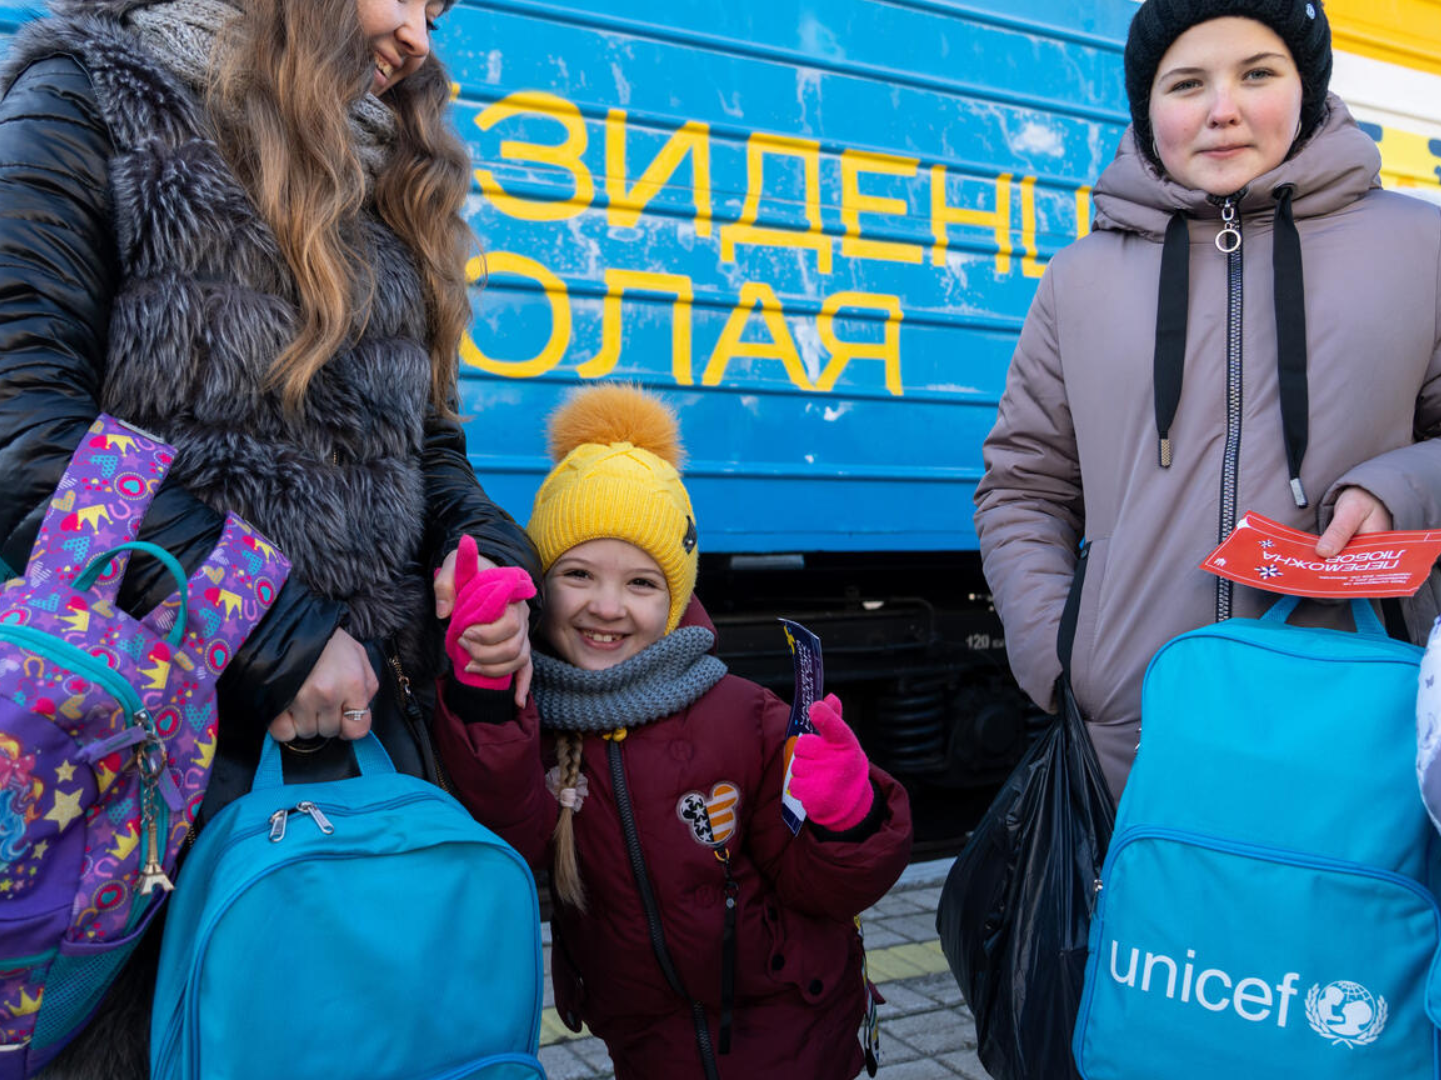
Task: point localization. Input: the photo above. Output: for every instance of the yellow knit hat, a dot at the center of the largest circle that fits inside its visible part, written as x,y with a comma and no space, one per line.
618,450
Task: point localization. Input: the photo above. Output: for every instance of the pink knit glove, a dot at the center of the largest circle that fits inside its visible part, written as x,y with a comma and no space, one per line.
481,597
829,771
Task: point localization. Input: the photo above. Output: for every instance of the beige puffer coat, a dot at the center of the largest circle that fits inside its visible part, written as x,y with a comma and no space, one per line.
1074,452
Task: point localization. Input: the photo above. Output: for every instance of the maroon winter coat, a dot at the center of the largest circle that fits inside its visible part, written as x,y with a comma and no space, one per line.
799,995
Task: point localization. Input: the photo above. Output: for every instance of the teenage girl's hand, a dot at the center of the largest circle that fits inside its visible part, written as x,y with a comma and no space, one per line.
341,682
1357,512
496,649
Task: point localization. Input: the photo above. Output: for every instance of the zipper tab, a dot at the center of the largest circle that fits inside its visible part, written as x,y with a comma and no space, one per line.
152,874
150,763
277,825
1229,238
316,816
400,677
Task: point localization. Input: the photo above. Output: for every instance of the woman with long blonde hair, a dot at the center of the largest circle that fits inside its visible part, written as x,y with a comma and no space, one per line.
237,224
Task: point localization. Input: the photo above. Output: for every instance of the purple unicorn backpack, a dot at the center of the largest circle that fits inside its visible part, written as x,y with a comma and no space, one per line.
107,734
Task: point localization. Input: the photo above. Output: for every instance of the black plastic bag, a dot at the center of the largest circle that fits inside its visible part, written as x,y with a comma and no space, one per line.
1016,908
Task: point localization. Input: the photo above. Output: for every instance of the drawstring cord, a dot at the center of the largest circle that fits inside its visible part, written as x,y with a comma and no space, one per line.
1290,290
1169,360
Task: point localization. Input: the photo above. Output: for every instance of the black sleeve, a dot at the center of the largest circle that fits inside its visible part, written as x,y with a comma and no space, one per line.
457,505
59,272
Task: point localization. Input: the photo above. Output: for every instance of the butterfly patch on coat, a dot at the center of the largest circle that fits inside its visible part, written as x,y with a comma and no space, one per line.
712,818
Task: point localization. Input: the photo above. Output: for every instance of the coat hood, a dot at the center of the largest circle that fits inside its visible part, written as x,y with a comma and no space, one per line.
1332,169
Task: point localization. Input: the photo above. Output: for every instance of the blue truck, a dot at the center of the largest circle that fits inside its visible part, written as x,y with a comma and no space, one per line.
815,227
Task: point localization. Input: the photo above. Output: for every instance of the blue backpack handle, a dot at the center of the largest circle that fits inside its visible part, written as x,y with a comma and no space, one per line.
99,563
369,755
1364,615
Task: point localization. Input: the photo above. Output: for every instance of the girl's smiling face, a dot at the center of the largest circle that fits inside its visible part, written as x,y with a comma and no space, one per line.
605,601
1225,104
398,32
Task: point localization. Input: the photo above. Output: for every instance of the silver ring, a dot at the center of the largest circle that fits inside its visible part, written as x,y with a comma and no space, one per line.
354,714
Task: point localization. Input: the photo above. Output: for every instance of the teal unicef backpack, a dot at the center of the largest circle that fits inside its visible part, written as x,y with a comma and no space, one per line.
361,929
1268,906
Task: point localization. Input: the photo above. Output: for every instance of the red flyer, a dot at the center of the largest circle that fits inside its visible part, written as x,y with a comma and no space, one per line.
1274,557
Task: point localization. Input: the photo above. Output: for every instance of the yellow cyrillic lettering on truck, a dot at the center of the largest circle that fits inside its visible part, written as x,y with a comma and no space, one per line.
625,207
944,215
506,262
746,231
1031,266
781,347
854,164
673,285
565,155
887,350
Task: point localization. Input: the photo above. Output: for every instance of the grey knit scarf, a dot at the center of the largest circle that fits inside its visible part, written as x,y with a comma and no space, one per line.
656,682
181,34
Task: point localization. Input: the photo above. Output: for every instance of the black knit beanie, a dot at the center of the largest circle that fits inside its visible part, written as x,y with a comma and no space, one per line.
1301,24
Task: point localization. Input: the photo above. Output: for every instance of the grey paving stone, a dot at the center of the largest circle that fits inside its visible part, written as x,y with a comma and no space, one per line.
901,1000
918,927
915,1070
967,1064
892,904
878,937
560,1064
927,898
939,1032
592,1051
940,988
894,1049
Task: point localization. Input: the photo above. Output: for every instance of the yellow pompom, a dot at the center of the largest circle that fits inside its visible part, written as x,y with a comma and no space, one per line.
615,413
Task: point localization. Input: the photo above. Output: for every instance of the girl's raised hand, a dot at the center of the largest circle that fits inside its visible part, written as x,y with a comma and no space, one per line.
829,771
488,636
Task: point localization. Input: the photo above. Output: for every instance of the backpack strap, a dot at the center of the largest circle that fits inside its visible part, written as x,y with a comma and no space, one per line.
107,487
225,598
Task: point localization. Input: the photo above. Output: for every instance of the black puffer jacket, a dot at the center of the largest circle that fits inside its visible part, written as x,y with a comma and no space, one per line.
58,273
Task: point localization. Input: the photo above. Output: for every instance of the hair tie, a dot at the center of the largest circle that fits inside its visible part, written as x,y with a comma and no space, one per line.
569,797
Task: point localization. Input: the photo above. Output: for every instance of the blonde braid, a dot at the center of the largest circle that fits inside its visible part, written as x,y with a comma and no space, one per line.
565,876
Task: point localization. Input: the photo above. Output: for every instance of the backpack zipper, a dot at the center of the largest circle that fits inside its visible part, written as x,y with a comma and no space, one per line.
281,816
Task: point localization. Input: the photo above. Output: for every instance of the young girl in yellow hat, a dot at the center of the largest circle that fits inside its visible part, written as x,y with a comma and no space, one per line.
694,933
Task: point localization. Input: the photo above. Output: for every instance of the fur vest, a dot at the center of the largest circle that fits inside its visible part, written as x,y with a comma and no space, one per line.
206,304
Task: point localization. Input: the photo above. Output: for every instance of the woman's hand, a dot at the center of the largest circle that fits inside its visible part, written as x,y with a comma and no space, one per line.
1357,512
335,697
496,649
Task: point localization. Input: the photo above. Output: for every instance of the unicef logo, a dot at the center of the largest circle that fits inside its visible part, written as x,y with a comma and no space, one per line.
1345,1012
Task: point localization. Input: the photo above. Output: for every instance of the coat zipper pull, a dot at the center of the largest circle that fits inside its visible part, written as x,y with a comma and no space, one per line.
401,678
1228,239
316,816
